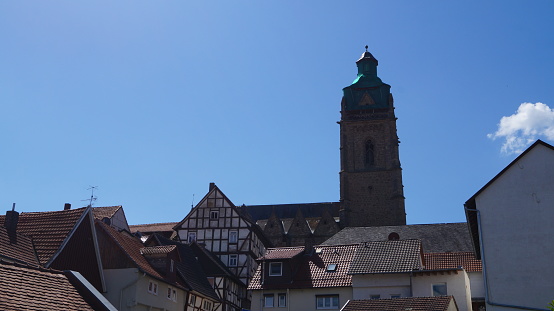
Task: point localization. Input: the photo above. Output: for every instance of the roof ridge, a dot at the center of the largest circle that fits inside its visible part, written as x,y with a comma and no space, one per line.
59,211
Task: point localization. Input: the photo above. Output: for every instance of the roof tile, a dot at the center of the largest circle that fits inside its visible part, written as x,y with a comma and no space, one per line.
48,230
24,288
400,304
312,269
439,261
387,257
435,238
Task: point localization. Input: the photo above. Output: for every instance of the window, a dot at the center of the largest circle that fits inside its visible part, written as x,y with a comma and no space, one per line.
268,301
214,215
192,300
171,294
192,237
369,156
282,300
207,305
394,295
374,296
275,269
439,289
327,302
233,237
233,260
153,287
331,267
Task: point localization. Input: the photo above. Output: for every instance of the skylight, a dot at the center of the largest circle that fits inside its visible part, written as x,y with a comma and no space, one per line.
331,267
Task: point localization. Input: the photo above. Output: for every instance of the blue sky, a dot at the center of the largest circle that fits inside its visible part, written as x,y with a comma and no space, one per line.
152,100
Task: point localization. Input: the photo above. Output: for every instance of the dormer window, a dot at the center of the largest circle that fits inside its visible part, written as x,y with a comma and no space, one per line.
275,268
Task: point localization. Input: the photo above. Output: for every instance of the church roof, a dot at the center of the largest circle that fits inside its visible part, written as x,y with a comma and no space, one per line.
435,238
284,211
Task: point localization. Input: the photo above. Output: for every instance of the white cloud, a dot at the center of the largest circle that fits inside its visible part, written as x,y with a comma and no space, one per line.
530,122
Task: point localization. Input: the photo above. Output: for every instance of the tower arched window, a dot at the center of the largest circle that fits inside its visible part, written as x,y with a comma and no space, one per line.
369,155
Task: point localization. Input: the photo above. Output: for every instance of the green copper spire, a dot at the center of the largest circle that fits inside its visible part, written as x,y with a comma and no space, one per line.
367,91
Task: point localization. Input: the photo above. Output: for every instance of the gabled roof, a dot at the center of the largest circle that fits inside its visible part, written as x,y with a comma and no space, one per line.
471,206
401,304
157,250
152,228
387,257
49,230
440,261
212,265
435,238
105,211
190,269
216,194
17,248
282,253
311,269
131,247
26,288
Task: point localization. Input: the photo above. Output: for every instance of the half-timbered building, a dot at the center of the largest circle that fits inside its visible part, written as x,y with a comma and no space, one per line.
216,224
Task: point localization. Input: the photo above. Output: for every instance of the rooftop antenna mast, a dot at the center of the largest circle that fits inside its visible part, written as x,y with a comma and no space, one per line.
92,197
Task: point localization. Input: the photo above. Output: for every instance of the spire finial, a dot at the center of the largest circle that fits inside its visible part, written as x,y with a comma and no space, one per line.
366,48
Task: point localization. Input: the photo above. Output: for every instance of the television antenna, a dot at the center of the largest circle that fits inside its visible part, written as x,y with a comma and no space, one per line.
92,197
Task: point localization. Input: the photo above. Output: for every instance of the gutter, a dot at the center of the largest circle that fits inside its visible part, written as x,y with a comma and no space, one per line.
482,249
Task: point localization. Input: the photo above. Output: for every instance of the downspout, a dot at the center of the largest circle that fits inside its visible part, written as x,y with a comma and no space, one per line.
482,248
288,299
127,286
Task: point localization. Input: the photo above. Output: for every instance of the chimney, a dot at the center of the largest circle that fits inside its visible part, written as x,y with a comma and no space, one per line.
212,185
11,220
66,206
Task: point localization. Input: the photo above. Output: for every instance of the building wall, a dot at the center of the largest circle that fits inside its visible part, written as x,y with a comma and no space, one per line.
300,299
384,285
127,290
517,234
457,285
477,284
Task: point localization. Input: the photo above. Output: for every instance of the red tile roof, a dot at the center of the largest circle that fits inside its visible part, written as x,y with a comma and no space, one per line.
131,246
155,250
439,261
387,257
312,269
158,227
17,247
48,230
24,288
105,211
283,253
400,304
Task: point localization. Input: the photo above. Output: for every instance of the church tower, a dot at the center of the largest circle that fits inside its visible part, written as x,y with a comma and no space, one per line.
371,191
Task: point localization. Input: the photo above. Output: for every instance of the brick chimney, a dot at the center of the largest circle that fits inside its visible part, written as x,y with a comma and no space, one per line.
11,220
66,206
212,185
